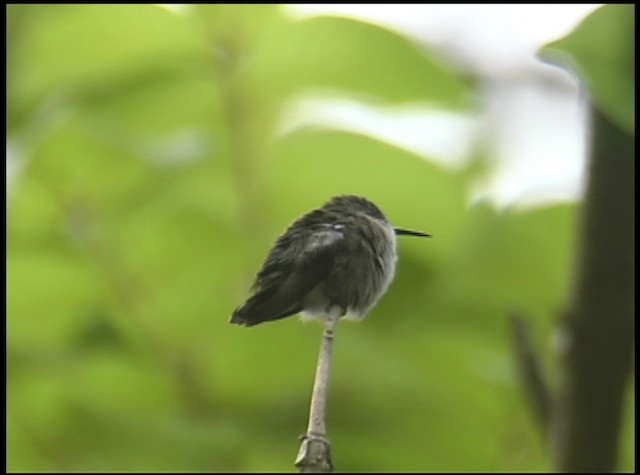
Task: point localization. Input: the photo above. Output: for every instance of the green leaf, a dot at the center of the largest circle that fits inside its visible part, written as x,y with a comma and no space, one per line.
603,48
358,58
79,47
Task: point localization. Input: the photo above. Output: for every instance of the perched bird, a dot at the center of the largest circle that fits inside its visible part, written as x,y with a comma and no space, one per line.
342,255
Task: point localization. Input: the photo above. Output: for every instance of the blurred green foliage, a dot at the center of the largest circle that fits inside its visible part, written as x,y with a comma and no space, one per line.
147,183
602,50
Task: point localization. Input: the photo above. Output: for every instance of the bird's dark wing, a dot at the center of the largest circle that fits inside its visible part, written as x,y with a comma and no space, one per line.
300,260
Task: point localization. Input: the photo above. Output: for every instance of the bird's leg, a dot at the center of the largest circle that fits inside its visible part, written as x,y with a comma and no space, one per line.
314,454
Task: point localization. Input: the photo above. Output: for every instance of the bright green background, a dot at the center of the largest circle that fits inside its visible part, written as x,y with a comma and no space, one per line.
150,185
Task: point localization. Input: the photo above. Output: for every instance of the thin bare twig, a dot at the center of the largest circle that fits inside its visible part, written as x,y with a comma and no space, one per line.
315,450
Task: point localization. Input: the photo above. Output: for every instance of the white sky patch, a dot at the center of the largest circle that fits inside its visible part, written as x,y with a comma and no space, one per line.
439,135
532,24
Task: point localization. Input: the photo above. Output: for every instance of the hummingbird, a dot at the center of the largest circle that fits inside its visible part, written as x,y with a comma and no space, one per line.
339,256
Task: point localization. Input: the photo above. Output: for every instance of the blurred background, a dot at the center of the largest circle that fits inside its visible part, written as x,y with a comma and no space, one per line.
155,152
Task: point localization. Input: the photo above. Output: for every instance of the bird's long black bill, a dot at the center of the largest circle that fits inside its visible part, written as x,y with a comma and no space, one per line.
408,232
